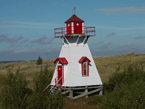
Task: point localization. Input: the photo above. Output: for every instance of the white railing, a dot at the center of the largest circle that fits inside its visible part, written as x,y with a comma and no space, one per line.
53,86
50,83
56,83
62,31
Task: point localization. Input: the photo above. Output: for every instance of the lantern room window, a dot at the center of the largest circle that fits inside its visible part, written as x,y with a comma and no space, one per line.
84,66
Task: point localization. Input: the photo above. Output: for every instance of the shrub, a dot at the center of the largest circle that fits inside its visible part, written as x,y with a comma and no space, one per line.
125,96
14,90
125,90
37,100
15,94
39,61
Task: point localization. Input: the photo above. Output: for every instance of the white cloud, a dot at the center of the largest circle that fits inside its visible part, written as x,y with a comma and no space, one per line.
11,40
42,40
120,28
3,37
41,50
139,37
14,39
24,41
111,34
122,10
35,25
120,48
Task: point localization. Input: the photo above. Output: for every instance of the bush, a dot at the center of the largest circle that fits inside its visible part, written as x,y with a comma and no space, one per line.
14,90
125,90
39,61
125,96
37,100
15,94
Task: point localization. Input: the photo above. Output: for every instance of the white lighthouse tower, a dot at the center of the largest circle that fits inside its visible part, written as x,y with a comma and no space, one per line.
75,70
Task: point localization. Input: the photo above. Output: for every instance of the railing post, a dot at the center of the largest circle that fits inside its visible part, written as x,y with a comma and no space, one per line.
71,92
55,82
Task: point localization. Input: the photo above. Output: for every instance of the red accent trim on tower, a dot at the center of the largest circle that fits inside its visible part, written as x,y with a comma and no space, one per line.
84,59
61,60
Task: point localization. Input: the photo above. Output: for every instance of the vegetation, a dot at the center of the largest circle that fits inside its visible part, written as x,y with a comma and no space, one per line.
39,61
15,93
125,90
123,79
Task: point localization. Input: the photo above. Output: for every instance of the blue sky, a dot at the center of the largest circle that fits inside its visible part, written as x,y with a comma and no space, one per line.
27,27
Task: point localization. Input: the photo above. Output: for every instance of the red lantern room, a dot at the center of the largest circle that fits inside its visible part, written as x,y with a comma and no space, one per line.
74,25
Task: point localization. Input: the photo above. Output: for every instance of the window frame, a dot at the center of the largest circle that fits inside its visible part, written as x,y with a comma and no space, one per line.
87,69
83,60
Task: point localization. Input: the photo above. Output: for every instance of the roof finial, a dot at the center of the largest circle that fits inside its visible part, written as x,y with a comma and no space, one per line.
74,11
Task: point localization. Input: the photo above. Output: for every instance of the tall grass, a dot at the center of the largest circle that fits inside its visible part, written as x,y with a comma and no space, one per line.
15,94
13,90
125,90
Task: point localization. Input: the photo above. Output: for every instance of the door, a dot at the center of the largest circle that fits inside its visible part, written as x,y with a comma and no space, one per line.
59,74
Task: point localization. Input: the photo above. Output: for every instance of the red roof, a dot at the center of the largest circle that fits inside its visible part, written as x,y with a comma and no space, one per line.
84,59
74,18
61,60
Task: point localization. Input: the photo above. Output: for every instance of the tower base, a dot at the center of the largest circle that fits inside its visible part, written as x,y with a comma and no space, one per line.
77,92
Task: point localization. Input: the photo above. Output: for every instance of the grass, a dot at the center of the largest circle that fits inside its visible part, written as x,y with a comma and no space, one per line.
15,94
125,90
106,66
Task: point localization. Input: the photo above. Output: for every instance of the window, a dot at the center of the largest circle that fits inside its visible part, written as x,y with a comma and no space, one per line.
85,69
84,61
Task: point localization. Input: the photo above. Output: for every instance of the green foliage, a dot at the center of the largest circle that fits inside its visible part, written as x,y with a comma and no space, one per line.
14,90
39,61
37,100
125,96
16,95
125,90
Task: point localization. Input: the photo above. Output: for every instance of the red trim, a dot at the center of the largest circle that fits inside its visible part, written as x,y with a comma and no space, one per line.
83,59
61,60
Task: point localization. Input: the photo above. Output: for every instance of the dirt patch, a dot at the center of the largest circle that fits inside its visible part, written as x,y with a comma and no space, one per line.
82,103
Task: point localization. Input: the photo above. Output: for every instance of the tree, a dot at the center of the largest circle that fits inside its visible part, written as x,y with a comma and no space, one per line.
39,61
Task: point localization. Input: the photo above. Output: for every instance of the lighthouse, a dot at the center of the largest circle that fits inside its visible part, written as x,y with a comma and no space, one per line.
75,71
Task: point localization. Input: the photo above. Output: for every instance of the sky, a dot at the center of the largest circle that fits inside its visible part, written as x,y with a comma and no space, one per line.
27,27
